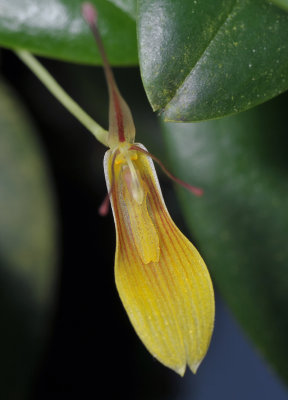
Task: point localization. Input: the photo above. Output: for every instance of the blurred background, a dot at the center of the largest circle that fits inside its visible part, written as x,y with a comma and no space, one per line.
64,330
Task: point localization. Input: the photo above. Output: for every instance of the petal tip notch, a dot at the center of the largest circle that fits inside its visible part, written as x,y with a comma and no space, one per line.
181,370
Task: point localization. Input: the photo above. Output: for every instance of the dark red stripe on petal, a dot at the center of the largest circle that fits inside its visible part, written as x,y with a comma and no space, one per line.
119,116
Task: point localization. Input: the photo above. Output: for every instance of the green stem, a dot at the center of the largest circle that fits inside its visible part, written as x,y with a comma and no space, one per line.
47,79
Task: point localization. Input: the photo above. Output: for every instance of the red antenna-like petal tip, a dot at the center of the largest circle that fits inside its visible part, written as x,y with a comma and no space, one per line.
197,191
89,13
104,208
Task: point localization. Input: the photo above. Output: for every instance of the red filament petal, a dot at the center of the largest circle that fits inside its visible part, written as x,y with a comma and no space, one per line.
193,189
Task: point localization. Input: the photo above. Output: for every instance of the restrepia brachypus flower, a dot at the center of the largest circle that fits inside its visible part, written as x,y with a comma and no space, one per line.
162,280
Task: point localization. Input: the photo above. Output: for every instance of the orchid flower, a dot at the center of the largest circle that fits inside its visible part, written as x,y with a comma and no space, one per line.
161,278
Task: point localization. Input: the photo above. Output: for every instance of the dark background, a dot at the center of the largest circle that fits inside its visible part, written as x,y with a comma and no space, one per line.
92,350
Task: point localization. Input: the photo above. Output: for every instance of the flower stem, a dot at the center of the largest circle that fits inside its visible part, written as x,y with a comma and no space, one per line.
47,79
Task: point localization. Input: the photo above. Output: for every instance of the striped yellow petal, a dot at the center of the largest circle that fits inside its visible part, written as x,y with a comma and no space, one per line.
162,280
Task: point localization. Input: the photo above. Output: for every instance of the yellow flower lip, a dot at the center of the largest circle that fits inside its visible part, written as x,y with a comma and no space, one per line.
161,278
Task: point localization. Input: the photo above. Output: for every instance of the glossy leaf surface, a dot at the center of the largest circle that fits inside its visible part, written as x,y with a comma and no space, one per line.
241,222
55,28
28,249
210,58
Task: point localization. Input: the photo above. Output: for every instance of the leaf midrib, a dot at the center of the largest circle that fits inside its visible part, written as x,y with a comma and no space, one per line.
236,2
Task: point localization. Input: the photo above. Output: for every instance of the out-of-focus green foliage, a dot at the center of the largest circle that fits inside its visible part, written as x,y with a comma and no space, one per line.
281,3
56,29
241,222
27,249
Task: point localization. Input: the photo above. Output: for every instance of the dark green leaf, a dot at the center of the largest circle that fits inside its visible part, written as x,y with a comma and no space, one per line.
241,222
56,29
204,59
28,247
